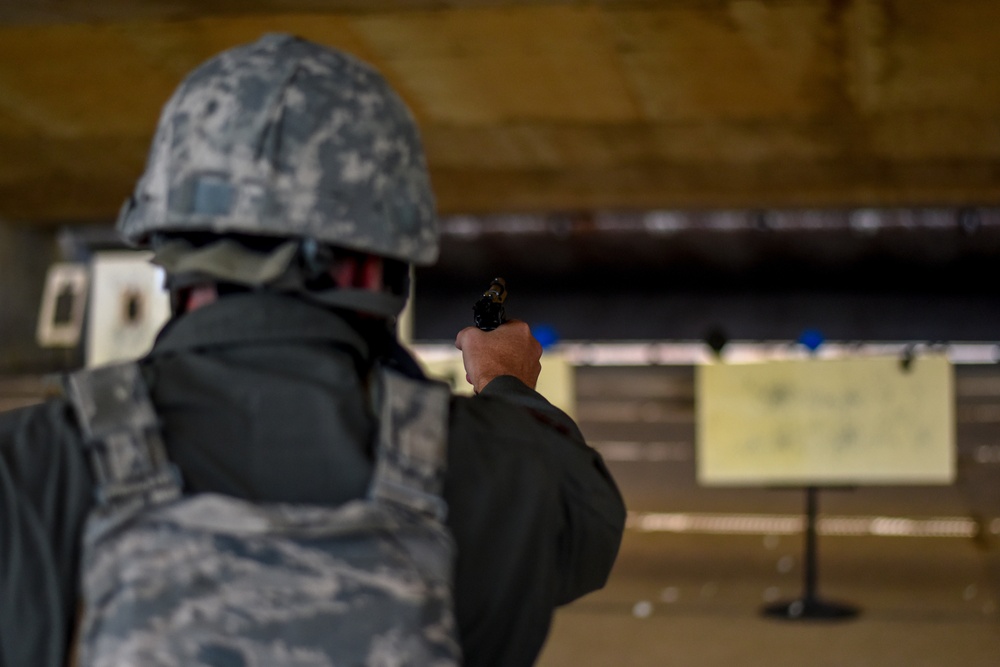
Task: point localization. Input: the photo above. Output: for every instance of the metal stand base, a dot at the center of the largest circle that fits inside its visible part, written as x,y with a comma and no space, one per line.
810,609
809,606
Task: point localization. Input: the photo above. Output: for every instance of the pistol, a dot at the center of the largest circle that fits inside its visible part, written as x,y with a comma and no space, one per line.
488,310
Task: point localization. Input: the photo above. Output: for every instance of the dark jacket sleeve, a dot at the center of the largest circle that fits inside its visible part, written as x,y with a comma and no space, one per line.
594,511
45,493
512,390
536,517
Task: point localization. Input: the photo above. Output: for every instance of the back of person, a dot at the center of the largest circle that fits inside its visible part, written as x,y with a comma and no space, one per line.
534,514
286,197
210,579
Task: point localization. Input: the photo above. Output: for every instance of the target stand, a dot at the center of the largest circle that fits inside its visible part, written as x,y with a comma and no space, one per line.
809,606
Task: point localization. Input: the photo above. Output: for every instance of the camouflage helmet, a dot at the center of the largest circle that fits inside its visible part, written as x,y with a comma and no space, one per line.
287,138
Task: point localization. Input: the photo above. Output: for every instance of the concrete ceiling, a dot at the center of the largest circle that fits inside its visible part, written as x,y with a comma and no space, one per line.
548,106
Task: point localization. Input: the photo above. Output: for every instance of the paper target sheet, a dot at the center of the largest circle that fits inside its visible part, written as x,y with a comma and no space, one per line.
128,306
844,421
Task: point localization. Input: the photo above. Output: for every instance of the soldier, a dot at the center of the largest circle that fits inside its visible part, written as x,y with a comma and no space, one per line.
286,196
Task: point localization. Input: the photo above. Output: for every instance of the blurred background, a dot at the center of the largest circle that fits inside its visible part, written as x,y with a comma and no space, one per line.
657,182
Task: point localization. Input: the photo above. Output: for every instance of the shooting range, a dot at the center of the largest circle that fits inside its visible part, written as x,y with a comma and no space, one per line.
681,190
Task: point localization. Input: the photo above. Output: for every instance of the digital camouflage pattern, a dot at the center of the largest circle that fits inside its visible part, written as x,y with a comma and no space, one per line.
215,580
287,138
126,452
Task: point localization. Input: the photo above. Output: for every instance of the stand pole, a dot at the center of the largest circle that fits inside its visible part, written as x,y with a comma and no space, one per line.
809,558
809,605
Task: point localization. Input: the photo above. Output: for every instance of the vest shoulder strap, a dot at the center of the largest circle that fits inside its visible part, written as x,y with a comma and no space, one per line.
122,435
412,443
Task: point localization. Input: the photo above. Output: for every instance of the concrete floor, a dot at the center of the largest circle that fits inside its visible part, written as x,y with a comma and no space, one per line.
696,600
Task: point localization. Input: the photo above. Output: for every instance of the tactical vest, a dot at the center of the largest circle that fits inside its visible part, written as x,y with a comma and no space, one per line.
205,579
